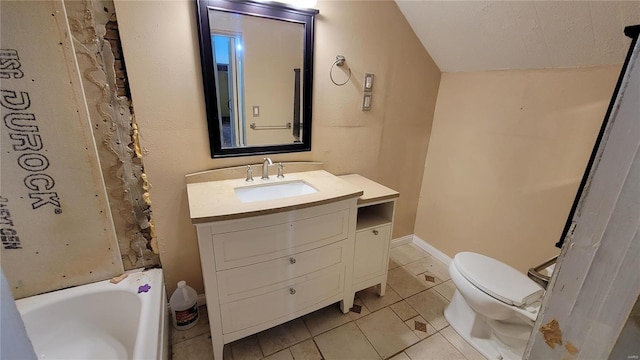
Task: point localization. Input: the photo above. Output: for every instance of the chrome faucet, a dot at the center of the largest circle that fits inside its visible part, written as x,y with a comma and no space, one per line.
265,168
249,173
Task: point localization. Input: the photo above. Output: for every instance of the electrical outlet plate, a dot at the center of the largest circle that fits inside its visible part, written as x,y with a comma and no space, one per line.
366,101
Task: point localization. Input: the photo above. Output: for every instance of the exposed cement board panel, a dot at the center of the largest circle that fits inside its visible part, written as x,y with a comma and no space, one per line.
55,222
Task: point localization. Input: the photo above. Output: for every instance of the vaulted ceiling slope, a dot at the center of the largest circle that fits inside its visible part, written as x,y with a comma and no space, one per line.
494,35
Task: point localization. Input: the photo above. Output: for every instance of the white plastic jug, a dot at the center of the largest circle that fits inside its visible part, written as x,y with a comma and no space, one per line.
184,307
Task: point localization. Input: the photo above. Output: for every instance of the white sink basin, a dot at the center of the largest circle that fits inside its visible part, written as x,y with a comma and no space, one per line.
272,191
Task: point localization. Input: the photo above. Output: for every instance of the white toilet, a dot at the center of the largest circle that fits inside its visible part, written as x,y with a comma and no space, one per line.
494,305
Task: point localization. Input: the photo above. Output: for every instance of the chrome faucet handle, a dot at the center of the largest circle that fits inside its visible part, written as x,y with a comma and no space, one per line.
280,170
249,173
265,168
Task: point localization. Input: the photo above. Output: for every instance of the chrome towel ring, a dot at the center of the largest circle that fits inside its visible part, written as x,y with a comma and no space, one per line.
340,61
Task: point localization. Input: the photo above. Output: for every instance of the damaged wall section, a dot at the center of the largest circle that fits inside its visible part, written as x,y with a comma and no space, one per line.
55,223
96,39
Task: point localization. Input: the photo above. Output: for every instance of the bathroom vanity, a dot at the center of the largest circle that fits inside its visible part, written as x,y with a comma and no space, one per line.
269,255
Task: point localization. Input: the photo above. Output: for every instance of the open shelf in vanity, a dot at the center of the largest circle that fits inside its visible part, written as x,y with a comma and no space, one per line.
370,216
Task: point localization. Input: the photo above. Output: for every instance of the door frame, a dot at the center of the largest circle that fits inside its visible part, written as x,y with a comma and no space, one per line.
597,276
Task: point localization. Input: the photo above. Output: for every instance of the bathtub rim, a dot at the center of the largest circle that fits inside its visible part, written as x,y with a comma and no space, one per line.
152,323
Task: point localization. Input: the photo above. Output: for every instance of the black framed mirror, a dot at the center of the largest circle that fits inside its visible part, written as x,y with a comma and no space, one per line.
257,70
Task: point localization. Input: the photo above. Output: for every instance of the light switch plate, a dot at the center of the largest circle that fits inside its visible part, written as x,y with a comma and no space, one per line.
368,82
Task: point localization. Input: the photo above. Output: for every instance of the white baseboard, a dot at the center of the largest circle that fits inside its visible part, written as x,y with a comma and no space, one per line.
401,240
431,250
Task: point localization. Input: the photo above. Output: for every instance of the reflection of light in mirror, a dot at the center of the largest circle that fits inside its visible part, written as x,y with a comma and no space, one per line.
304,3
308,4
239,46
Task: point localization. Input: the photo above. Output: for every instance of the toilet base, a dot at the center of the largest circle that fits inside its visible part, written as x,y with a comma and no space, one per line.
478,332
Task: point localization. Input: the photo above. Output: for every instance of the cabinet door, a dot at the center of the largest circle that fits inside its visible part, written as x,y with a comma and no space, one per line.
371,253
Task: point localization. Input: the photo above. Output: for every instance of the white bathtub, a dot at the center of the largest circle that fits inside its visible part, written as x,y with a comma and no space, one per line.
100,320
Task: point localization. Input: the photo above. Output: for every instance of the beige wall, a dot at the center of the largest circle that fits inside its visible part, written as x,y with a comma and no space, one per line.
506,155
387,144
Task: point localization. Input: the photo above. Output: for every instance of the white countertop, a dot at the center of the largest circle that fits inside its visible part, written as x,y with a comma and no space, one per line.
373,192
216,200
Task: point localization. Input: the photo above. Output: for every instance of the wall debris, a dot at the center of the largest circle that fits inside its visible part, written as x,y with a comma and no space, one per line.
571,348
552,333
96,39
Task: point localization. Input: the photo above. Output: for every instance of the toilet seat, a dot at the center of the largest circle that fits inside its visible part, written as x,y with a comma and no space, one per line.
496,279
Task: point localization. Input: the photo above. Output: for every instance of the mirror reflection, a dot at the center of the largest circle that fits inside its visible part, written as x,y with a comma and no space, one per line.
264,109
257,65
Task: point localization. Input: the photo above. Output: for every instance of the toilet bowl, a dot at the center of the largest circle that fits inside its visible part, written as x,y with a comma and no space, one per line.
494,305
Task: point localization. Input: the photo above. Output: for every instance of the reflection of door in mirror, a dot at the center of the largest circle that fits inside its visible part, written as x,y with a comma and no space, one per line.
227,49
266,106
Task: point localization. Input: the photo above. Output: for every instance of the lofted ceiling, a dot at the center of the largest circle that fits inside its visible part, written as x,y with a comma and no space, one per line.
494,35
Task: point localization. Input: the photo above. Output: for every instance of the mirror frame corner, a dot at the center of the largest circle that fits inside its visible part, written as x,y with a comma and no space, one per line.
269,11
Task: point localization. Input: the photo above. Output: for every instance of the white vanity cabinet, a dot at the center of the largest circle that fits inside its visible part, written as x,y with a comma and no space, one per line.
261,271
376,210
268,262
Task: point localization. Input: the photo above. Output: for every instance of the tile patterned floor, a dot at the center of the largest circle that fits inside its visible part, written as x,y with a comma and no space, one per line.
406,323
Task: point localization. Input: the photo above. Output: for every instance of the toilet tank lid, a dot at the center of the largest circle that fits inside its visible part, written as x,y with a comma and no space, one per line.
497,279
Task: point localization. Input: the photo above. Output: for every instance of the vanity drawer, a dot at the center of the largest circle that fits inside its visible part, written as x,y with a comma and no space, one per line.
252,280
371,252
261,238
290,298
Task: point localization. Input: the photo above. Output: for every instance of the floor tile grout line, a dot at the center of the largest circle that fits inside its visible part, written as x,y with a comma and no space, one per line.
322,332
317,347
389,306
190,338
369,341
293,344
447,339
356,324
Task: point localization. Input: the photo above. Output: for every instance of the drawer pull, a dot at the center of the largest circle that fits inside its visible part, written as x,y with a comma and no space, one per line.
375,232
292,260
292,291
